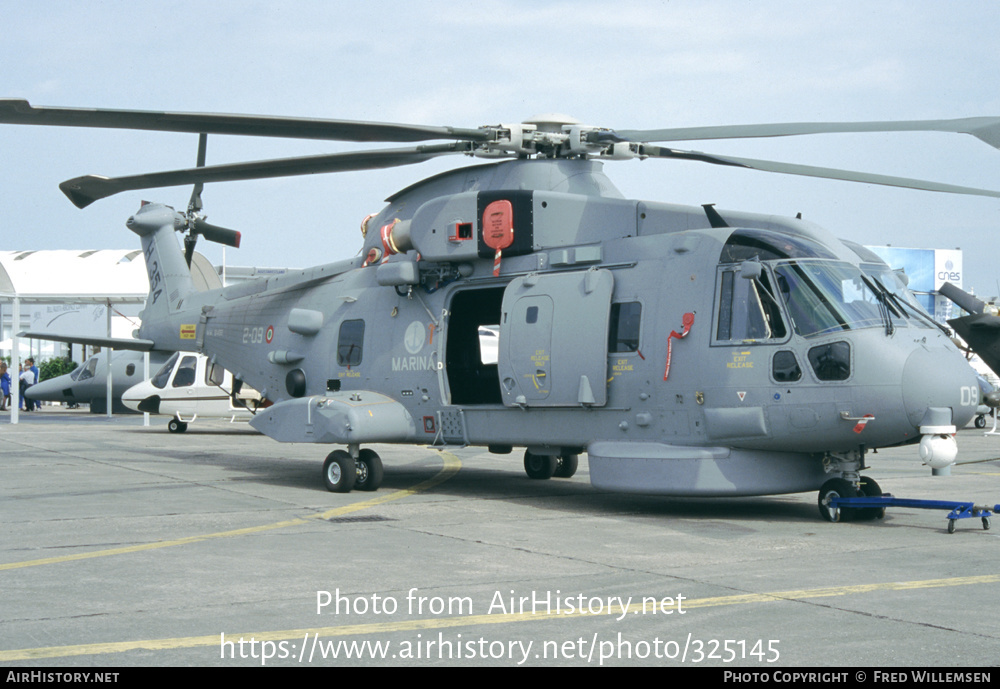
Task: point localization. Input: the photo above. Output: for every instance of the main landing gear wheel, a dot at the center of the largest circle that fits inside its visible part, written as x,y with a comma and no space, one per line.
370,471
835,488
539,466
175,426
340,472
566,466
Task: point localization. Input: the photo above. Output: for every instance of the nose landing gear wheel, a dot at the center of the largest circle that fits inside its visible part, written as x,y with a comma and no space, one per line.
835,488
870,489
175,426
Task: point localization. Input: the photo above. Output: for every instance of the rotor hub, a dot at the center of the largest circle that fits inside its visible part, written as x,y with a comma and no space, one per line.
551,122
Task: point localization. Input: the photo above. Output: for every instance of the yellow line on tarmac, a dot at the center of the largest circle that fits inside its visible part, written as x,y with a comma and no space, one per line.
451,466
466,621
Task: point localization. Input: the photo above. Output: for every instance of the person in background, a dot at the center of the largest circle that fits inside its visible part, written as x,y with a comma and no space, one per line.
27,380
36,405
4,387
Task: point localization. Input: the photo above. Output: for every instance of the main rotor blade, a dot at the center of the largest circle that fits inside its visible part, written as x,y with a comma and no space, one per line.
195,204
985,129
83,191
810,171
19,111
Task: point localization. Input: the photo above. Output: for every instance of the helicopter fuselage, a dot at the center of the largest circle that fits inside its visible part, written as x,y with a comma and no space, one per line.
686,354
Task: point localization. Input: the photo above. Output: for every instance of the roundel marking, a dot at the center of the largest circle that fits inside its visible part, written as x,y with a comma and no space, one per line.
414,337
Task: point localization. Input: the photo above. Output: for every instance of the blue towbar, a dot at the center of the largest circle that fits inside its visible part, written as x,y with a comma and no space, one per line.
959,510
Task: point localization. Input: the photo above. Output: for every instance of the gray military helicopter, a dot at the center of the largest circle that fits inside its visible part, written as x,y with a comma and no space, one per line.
688,351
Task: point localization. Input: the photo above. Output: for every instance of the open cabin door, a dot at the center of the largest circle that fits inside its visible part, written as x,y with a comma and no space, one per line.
553,349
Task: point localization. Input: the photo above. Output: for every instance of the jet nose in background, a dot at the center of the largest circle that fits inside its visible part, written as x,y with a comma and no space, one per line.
52,390
936,381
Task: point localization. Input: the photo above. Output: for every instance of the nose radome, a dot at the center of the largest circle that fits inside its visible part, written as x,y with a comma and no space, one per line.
937,380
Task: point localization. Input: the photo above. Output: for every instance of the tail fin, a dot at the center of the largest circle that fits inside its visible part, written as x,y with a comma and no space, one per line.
170,282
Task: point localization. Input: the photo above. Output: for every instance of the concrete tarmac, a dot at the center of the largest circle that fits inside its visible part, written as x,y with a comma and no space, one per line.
125,545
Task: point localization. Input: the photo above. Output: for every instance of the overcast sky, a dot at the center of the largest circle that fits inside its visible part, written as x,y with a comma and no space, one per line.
627,65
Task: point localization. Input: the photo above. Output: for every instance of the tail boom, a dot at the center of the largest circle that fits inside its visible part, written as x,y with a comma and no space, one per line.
168,319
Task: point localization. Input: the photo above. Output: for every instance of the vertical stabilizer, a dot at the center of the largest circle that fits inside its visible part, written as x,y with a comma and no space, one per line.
170,281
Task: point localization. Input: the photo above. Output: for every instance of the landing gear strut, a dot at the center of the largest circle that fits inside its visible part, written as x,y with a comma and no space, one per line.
850,484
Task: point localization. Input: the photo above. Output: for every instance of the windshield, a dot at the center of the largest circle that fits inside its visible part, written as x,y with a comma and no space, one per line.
826,296
916,314
163,375
86,371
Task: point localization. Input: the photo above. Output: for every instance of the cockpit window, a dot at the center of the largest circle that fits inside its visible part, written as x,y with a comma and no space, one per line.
831,361
163,375
87,370
185,375
747,309
767,245
913,312
825,296
785,367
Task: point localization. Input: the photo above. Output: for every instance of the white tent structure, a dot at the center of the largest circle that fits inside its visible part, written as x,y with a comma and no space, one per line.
66,277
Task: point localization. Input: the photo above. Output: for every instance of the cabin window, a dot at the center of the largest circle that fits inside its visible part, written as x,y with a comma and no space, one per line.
130,370
623,329
186,371
214,375
349,343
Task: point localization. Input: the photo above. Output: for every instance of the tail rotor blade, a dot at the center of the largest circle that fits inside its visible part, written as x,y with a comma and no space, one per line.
214,233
